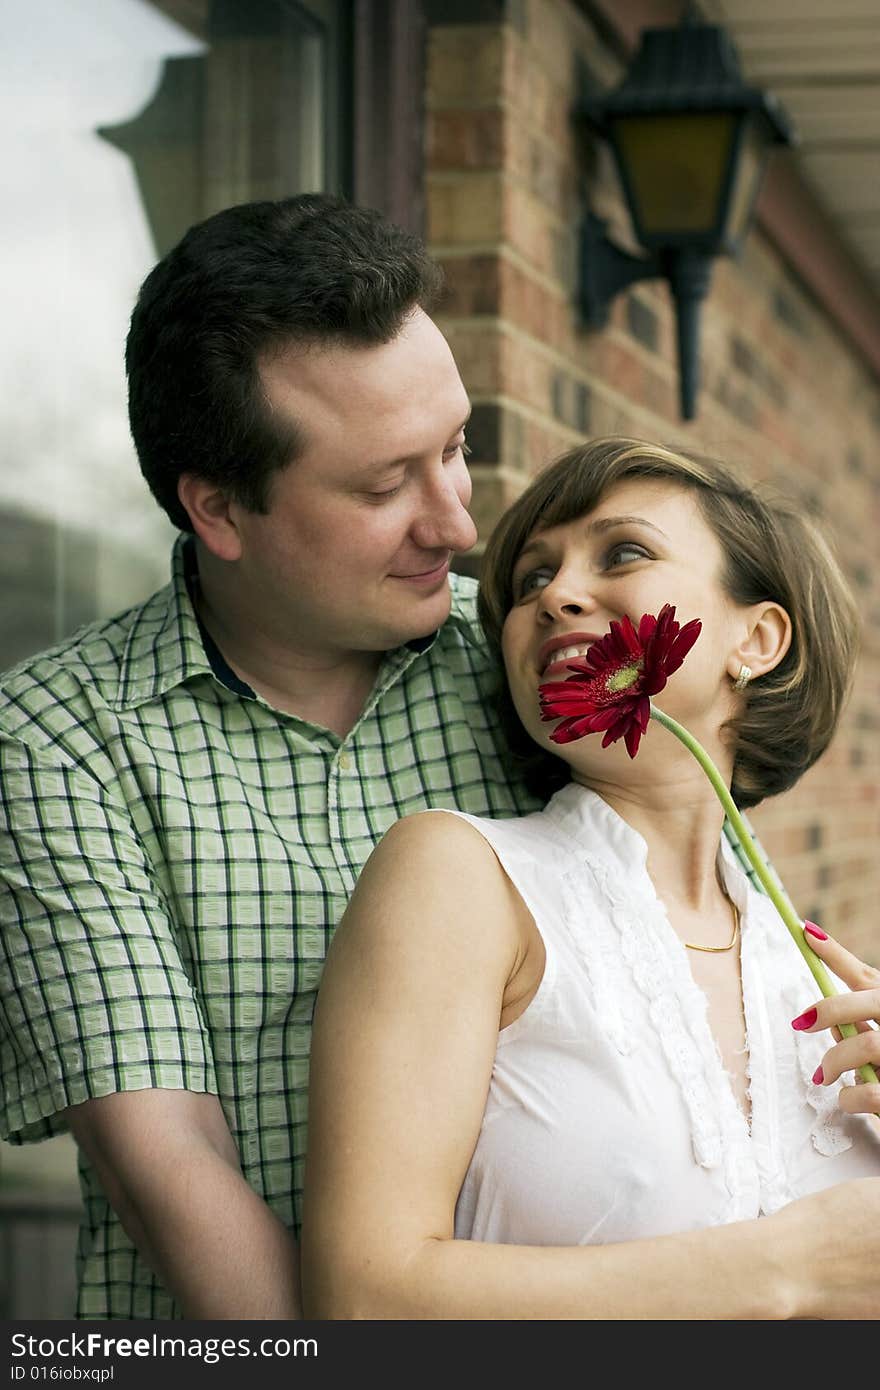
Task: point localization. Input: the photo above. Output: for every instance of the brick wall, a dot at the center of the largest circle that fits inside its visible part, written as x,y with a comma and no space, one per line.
783,394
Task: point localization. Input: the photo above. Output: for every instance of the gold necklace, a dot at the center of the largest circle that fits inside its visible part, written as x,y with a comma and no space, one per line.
717,950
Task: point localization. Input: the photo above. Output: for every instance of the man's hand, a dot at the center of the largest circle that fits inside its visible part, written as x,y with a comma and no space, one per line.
169,1167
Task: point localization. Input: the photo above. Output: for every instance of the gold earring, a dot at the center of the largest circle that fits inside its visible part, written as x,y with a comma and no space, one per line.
742,680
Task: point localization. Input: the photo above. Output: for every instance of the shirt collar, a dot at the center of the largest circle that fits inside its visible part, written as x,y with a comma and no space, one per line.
586,818
167,644
164,646
583,815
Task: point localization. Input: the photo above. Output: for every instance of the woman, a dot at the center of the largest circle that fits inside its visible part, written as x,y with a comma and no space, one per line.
546,1080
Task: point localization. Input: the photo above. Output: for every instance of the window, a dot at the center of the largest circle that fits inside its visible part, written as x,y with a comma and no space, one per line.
125,122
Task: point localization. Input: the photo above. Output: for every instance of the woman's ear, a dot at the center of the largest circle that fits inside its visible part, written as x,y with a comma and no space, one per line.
766,643
212,519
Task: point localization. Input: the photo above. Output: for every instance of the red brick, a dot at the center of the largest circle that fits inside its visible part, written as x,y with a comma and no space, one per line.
473,286
466,139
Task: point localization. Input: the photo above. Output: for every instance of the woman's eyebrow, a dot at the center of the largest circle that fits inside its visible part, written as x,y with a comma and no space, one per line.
606,523
533,547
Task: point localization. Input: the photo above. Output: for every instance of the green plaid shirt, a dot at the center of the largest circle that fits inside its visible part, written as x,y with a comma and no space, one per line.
174,857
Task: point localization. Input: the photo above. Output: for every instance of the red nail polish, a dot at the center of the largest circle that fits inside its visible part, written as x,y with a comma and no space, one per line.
819,934
818,1076
804,1020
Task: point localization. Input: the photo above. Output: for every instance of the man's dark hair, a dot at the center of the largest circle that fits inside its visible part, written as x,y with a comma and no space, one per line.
304,270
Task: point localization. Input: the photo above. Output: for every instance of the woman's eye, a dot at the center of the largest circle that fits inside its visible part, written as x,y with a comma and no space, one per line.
532,581
625,553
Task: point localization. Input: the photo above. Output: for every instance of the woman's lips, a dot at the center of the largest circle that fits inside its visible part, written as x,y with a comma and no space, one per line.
548,666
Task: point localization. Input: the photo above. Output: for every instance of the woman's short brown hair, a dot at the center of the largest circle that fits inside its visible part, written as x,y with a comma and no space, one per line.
772,552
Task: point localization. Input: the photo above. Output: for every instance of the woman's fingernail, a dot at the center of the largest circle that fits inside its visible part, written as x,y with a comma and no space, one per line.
819,934
805,1020
818,1076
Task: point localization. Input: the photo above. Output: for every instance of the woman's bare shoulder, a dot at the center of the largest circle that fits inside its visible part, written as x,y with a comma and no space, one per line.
439,865
438,833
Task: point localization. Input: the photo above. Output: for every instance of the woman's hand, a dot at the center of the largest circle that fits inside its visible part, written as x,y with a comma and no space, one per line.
861,1007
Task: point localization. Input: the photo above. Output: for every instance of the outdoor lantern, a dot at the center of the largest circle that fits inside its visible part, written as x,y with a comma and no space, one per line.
690,140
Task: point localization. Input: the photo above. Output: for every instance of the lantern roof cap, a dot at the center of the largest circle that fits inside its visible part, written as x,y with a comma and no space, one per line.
687,68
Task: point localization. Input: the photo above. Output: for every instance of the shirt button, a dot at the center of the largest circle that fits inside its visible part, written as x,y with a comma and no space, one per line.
344,761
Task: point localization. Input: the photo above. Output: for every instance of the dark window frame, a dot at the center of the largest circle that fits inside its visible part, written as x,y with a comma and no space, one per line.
388,117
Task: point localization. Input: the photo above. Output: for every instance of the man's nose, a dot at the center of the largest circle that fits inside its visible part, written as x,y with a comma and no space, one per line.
444,522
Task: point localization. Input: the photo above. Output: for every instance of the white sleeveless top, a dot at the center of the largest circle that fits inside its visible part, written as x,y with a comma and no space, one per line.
610,1116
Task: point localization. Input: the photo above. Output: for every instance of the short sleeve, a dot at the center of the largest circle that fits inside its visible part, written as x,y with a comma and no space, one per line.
94,994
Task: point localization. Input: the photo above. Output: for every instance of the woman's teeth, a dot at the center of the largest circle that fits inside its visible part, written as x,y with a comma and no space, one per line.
568,653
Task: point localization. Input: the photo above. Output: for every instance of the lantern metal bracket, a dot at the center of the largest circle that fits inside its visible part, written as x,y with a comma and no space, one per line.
606,270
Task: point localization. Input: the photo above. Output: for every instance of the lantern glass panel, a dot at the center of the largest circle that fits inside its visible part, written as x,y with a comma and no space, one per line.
675,167
749,170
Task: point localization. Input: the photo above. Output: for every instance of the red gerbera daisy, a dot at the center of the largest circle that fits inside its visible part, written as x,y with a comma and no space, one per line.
613,683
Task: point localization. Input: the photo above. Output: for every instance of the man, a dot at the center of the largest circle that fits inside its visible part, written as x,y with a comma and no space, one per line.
191,789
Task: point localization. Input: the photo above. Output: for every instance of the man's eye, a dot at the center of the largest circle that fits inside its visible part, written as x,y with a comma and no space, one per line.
384,496
625,553
452,449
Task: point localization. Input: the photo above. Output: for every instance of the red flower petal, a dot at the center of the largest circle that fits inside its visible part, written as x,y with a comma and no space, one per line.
632,739
647,627
682,645
604,719
628,637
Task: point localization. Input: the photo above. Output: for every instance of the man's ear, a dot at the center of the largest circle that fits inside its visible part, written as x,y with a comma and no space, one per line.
766,642
212,518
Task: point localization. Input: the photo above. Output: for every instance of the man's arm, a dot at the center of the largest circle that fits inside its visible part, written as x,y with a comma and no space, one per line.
169,1168
100,1023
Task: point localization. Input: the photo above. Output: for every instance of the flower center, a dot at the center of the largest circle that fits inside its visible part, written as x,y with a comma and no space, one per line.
624,678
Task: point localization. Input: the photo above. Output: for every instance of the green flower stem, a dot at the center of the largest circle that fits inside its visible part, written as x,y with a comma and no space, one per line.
779,899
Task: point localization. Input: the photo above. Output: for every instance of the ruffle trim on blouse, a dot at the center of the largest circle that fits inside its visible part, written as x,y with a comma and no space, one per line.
677,1011
766,1069
827,1132
599,952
